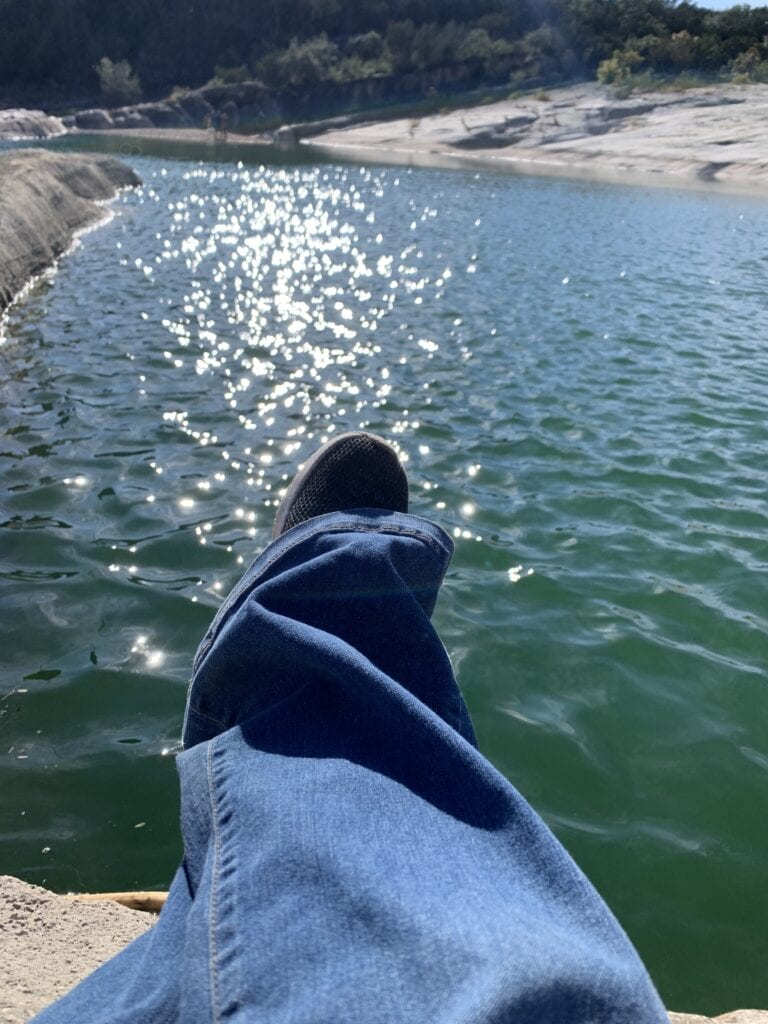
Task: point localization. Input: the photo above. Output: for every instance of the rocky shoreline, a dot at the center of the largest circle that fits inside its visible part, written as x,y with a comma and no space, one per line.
49,942
45,200
29,124
700,137
714,135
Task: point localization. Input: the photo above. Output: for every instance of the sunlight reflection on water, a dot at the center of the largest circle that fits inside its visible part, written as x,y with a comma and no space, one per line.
279,318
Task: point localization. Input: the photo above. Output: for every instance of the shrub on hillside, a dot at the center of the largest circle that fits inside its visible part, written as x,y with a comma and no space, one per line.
300,64
749,66
119,85
617,69
230,76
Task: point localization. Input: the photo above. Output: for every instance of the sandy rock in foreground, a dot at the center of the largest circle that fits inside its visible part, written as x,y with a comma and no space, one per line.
45,199
29,124
49,943
734,1017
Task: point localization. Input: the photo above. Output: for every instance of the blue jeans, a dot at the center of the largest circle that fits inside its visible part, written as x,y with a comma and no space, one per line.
349,855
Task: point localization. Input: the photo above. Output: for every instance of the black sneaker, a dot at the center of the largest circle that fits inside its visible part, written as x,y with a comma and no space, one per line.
355,470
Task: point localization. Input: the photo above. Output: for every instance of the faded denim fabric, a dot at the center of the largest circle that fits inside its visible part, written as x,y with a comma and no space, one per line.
350,856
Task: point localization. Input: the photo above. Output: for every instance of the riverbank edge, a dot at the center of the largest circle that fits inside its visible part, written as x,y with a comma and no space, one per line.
43,953
46,200
710,138
404,156
707,138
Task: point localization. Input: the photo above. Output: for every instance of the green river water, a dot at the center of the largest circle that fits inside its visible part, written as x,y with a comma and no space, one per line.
578,376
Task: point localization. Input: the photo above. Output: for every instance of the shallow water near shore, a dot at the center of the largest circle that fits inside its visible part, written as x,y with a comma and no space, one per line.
578,376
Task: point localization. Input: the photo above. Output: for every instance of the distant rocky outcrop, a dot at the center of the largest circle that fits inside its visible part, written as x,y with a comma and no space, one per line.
579,113
544,123
506,133
707,135
45,199
241,103
252,103
289,134
29,124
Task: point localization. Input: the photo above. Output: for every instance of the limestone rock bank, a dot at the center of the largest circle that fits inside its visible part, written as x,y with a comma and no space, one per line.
29,124
708,135
734,1017
48,943
45,199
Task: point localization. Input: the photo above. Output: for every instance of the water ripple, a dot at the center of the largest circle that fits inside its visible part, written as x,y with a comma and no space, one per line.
576,378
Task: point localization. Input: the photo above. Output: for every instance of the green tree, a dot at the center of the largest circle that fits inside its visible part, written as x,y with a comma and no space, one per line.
304,63
477,45
119,85
400,43
369,46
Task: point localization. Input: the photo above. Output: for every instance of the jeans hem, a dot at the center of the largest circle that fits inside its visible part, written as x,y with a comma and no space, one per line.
349,521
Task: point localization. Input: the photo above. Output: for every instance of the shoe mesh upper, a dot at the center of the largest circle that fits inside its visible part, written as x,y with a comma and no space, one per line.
359,471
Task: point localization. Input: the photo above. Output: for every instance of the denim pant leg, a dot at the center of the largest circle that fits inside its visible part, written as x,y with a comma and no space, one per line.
349,854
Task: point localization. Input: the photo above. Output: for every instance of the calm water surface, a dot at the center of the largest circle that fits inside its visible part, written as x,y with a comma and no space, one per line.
578,378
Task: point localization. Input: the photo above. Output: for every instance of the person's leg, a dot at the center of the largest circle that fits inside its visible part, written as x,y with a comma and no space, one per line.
380,867
349,854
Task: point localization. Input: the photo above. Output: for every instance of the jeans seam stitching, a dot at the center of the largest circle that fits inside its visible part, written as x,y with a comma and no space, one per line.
216,1015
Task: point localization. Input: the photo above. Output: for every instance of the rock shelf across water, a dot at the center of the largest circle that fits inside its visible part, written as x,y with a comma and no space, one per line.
701,136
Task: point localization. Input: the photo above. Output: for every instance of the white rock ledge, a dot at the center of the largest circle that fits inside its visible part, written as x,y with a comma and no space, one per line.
29,124
706,137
